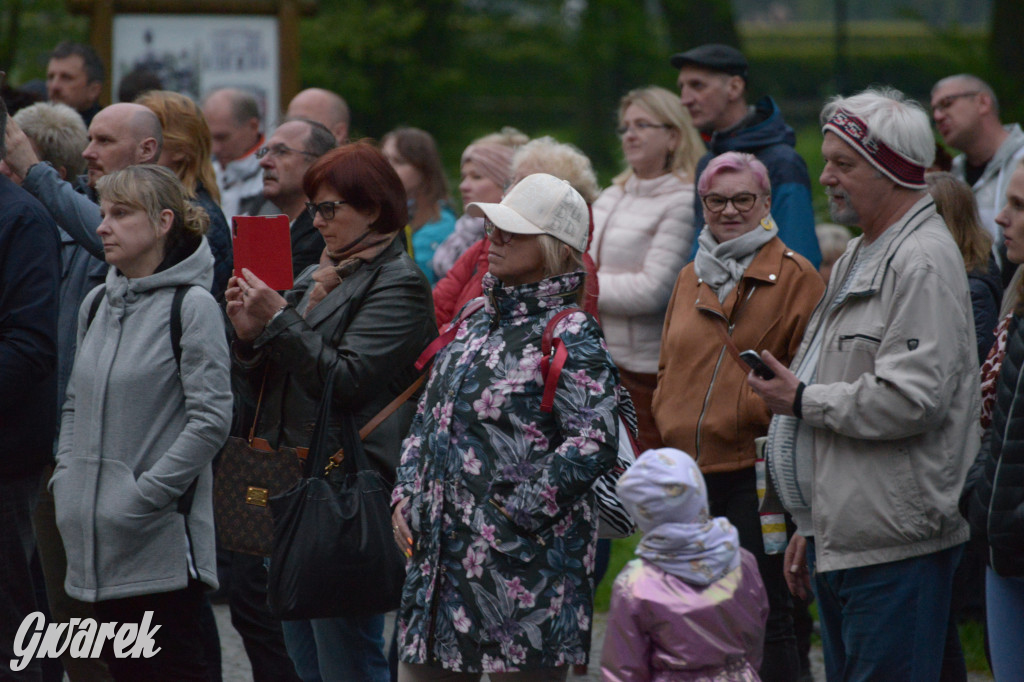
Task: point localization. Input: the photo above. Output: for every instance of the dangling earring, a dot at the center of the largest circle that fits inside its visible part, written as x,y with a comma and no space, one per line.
668,159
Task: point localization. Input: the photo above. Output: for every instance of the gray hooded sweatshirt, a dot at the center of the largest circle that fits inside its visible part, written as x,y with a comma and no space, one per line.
134,435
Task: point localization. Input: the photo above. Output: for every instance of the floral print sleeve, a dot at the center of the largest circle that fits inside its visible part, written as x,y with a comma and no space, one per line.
405,474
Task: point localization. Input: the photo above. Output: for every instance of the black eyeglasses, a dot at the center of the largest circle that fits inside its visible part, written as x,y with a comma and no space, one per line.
947,101
716,203
504,237
640,127
280,150
324,208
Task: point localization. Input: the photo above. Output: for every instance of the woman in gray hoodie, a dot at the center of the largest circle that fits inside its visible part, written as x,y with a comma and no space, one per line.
147,409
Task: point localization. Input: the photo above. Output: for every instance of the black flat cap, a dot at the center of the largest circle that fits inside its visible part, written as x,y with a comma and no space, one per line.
715,57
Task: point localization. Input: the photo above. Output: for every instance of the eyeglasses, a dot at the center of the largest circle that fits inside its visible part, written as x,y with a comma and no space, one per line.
716,203
640,127
280,150
504,238
947,101
324,208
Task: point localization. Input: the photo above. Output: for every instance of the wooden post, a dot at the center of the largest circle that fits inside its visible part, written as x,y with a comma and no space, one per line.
288,46
101,36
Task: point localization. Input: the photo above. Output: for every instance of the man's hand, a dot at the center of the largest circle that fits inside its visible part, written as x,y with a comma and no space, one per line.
778,393
20,155
798,578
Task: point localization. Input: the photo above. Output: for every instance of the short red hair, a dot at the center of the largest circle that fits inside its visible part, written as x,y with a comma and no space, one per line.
361,176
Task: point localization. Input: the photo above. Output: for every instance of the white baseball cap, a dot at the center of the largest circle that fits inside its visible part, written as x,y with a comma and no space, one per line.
540,204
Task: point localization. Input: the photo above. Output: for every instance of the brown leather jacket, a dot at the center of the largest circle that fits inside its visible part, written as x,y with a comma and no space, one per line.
703,404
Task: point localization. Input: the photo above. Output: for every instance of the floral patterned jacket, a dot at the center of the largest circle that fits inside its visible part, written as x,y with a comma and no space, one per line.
500,501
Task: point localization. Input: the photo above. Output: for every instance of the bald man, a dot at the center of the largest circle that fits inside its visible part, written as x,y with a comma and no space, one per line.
120,135
322,106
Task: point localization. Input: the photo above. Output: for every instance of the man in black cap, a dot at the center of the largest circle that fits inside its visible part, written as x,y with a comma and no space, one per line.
712,84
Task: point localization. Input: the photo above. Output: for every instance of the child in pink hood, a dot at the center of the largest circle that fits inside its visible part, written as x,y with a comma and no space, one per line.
692,606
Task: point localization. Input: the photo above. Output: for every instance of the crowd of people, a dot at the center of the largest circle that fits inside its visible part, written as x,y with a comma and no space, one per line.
822,416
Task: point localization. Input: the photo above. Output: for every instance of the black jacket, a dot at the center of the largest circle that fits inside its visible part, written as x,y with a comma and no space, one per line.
29,280
374,324
993,496
307,244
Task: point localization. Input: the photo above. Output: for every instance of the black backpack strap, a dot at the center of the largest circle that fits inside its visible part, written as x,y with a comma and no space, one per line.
95,305
179,296
185,501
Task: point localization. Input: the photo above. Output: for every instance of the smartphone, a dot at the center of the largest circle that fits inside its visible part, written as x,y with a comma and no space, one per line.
757,364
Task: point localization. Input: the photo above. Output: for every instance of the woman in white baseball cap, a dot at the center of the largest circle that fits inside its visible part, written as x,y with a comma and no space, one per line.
494,502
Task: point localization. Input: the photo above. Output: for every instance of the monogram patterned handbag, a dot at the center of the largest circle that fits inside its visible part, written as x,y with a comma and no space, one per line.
249,472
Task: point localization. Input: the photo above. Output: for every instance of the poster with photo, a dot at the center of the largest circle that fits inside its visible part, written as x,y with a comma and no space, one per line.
194,54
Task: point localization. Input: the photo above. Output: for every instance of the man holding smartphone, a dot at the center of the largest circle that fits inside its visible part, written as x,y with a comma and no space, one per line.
877,423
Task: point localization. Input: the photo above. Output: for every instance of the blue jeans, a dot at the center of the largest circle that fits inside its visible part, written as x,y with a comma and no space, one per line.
17,543
1005,606
337,649
886,621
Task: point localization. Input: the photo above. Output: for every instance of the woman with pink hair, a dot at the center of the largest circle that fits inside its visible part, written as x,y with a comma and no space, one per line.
745,290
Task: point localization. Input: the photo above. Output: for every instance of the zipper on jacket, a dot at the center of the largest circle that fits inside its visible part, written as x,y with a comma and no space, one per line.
431,658
707,400
850,337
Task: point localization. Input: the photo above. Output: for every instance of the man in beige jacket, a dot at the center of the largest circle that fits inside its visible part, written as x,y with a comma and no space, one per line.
877,423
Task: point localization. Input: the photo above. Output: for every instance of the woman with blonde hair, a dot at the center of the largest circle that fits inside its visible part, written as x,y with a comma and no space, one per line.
187,151
643,230
148,406
494,498
955,202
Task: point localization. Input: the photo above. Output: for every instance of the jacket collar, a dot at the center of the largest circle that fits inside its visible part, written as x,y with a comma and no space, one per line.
1007,150
766,268
343,293
516,304
869,278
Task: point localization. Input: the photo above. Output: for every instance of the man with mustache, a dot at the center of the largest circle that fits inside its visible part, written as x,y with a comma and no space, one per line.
877,423
285,158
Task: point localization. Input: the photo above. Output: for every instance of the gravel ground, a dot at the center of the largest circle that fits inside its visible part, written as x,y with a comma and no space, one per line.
236,664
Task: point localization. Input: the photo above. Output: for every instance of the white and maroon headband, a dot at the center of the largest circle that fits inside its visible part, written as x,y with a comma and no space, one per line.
895,166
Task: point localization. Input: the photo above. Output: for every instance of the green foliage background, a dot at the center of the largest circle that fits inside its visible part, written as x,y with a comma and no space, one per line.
463,68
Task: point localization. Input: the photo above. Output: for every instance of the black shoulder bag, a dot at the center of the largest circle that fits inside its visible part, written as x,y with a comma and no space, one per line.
333,552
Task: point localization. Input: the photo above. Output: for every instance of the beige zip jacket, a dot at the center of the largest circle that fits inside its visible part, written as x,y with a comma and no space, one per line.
895,401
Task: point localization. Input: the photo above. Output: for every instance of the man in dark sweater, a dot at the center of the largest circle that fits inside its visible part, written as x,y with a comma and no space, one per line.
29,276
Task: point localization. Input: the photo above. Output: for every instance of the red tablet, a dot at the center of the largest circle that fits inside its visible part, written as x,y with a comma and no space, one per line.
263,244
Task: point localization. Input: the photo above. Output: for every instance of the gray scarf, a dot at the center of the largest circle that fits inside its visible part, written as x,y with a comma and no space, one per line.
721,266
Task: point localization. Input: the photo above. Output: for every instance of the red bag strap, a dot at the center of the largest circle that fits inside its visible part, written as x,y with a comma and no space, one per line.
554,357
448,335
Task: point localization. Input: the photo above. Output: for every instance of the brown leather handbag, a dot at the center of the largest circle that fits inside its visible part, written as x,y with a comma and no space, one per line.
249,472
